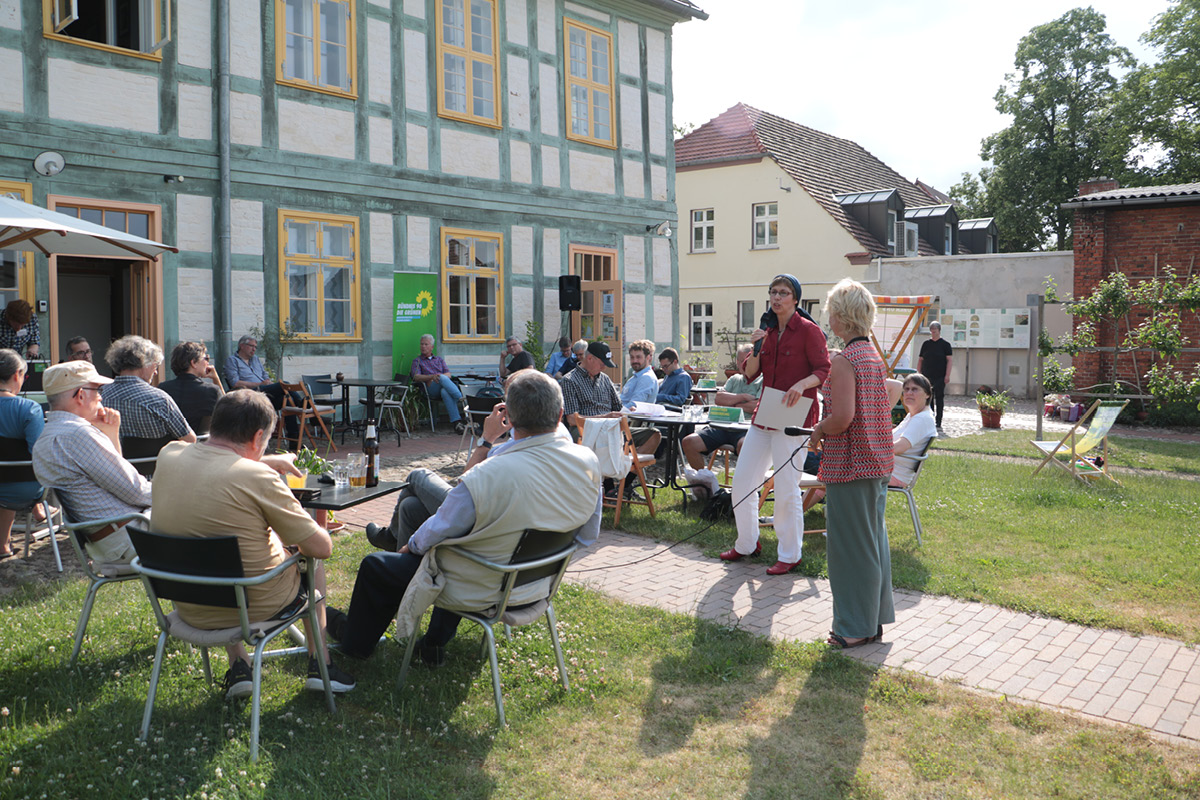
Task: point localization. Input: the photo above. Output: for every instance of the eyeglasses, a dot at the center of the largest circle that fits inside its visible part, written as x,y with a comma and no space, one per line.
779,293
89,389
81,353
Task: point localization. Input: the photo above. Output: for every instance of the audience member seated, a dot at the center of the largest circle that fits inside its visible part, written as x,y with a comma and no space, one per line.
517,487
244,497
194,395
520,359
78,349
79,455
554,364
20,418
589,392
737,393
19,329
915,430
147,412
244,370
642,387
676,386
431,372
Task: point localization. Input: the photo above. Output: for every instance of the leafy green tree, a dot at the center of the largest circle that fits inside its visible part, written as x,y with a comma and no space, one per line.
970,195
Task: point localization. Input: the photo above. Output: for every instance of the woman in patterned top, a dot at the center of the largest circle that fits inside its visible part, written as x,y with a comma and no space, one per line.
855,436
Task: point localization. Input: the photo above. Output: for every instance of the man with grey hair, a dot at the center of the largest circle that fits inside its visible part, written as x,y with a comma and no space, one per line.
431,372
244,370
934,362
146,411
507,489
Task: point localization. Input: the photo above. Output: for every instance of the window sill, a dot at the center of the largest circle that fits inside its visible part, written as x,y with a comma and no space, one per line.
765,247
700,252
312,87
108,48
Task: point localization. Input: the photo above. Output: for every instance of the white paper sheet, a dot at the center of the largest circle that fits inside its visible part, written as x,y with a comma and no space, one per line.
772,413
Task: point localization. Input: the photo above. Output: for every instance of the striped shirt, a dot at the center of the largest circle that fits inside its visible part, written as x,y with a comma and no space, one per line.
147,412
863,450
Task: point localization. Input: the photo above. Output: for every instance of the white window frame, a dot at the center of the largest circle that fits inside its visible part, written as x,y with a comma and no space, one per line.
770,213
892,219
154,18
701,313
741,319
704,221
948,239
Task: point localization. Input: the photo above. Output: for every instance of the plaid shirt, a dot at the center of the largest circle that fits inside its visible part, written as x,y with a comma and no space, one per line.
588,396
20,340
147,412
74,457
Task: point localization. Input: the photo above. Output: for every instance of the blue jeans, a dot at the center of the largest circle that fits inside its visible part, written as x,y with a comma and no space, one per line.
442,388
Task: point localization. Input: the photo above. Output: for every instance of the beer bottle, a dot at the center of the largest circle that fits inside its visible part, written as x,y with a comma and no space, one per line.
371,451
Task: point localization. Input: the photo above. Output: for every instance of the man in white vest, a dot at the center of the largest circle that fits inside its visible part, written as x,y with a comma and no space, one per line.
518,486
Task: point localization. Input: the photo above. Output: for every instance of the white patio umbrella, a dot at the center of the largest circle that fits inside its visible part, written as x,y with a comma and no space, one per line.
28,227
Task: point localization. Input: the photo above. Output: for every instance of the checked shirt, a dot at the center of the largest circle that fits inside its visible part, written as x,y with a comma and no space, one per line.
147,412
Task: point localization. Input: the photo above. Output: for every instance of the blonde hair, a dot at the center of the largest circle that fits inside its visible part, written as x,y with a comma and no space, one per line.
853,305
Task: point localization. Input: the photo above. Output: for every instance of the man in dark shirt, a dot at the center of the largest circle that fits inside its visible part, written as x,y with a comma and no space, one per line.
194,395
520,359
934,362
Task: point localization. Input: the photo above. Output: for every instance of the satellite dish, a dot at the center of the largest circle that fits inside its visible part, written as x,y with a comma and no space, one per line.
49,163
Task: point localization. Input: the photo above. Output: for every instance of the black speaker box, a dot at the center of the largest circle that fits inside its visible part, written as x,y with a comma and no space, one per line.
569,298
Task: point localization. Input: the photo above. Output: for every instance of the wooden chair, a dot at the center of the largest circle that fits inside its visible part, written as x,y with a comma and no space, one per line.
307,411
1102,414
638,464
725,450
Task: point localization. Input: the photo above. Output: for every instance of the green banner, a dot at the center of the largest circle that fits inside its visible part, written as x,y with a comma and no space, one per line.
415,307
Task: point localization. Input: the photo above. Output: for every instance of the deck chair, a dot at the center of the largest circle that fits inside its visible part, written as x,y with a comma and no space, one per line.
209,572
307,412
537,556
16,467
1067,451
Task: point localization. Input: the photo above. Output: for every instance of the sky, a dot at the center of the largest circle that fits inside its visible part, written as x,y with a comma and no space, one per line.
914,83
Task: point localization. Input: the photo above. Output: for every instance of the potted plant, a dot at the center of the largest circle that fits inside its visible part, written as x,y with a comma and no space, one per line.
308,462
992,405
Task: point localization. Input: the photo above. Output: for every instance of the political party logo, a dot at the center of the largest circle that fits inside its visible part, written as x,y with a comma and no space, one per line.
422,306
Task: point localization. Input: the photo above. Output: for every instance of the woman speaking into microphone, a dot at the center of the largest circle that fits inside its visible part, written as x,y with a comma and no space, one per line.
794,360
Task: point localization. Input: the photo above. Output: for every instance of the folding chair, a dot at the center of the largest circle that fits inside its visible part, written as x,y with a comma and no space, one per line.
725,450
16,467
637,466
209,572
1102,414
307,411
143,453
538,555
478,409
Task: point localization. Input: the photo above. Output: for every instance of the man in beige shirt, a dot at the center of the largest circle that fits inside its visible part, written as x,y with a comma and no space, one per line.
226,486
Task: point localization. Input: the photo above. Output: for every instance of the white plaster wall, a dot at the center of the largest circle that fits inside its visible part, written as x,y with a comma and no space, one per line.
247,301
547,27
379,135
381,367
10,14
12,88
591,172
516,23
195,312
658,182
415,86
415,8
306,128
631,118
518,93
470,154
246,227
245,40
521,238
663,308
296,366
382,241
381,309
634,181
660,252
551,313
194,215
550,98
522,303
658,124
245,118
521,161
552,265
583,11
628,50
635,259
656,56
195,111
379,61
417,145
550,166
635,317
85,93
418,242
194,37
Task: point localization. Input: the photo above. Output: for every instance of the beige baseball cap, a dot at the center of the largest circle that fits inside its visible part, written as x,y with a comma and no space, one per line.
69,376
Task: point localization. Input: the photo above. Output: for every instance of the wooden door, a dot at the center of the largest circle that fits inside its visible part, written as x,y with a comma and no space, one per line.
601,317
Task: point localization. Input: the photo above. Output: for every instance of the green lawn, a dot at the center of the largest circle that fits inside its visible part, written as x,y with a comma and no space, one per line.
661,706
1124,451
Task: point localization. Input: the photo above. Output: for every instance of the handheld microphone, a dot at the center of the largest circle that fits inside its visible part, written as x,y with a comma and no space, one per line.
767,321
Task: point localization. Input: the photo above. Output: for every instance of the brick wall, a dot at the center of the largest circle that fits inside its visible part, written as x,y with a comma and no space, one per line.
1113,239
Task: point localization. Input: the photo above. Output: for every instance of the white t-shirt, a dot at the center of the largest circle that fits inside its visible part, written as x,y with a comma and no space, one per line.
917,429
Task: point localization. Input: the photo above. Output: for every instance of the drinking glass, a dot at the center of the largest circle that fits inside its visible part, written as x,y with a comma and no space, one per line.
356,463
296,481
341,474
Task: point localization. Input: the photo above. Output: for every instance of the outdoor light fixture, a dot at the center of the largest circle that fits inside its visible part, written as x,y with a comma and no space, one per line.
173,179
49,163
661,229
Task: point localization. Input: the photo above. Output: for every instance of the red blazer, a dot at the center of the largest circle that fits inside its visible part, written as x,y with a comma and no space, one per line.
792,354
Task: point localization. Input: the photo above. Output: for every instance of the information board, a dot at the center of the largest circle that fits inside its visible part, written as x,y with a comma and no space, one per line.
994,328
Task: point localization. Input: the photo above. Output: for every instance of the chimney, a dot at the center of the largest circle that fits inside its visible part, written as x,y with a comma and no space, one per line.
1100,184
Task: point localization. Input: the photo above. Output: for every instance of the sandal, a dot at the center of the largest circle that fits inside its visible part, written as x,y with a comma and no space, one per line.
839,642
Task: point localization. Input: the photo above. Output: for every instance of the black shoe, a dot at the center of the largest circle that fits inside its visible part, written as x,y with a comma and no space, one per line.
239,681
340,681
335,624
459,428
610,488
383,538
430,655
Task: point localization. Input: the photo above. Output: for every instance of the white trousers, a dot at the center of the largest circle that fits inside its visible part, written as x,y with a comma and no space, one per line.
761,450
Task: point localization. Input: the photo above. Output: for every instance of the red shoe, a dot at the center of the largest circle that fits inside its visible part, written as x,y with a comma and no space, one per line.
782,567
733,555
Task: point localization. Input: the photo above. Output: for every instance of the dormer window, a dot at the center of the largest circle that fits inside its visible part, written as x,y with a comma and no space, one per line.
878,211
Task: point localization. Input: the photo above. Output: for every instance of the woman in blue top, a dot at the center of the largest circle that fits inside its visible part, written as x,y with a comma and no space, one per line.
20,418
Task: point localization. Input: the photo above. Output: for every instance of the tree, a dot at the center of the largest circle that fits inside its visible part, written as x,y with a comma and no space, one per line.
1062,100
970,195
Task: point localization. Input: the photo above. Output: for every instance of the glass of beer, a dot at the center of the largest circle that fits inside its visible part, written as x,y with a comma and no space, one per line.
356,465
296,481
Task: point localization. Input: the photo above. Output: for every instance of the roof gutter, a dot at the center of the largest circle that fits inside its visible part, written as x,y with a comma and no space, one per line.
1180,199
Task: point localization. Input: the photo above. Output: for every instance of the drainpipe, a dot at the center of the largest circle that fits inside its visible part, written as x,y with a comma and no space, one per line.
223,279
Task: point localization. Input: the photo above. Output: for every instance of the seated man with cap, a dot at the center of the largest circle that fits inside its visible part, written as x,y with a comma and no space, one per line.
587,391
79,455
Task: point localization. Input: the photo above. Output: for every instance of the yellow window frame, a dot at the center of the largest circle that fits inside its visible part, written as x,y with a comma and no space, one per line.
590,85
471,58
286,215
466,271
315,85
23,191
52,10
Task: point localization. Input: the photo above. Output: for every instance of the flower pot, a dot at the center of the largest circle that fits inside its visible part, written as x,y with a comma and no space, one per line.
991,417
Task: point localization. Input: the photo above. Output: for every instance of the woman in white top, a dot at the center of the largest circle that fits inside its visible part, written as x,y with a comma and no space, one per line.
915,430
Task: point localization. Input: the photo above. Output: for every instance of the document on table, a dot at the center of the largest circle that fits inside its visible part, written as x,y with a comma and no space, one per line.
648,409
772,413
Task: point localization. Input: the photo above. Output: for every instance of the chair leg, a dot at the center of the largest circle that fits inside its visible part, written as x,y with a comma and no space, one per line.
207,666
491,640
562,667
620,501
154,675
255,700
916,515
84,615
314,622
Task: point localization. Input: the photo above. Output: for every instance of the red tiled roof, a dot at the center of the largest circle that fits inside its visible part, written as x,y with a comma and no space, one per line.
822,164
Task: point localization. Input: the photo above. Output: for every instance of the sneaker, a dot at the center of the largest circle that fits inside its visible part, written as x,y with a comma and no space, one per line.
339,680
459,428
239,681
383,538
430,655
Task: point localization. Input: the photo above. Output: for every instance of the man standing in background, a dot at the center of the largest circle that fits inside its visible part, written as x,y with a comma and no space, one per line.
934,363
